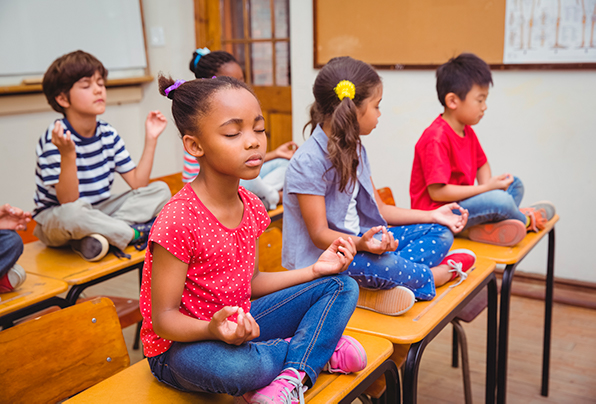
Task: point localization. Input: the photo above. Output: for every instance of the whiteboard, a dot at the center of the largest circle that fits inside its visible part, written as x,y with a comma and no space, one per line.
33,33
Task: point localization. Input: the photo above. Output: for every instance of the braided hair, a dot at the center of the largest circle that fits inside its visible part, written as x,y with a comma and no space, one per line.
208,65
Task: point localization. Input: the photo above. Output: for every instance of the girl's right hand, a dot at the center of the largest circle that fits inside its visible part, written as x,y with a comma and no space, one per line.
244,330
368,243
62,140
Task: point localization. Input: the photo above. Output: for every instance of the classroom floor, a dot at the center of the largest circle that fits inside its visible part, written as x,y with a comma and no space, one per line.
573,355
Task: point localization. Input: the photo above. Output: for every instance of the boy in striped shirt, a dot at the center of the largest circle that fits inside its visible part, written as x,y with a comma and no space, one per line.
77,158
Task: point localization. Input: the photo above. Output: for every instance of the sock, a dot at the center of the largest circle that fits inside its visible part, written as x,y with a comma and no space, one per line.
136,236
528,221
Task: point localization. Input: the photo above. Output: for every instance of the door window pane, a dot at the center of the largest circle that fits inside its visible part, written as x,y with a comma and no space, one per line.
282,64
260,19
282,18
262,68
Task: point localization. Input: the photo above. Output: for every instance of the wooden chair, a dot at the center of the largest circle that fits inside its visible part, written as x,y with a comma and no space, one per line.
137,384
62,353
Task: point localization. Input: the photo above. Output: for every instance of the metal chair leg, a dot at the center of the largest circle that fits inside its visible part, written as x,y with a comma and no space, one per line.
461,337
454,348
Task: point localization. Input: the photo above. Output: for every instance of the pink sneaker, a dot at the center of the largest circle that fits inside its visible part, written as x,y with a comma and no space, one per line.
460,261
286,388
13,279
349,356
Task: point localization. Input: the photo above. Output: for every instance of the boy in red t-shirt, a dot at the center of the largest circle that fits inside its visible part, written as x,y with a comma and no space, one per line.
448,158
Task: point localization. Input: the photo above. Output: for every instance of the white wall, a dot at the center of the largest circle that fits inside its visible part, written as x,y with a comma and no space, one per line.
19,133
540,126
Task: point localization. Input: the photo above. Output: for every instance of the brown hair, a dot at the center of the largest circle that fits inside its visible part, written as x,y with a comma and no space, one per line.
344,139
67,70
191,101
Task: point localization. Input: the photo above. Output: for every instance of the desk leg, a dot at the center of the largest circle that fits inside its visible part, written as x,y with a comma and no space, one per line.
491,341
410,372
548,312
504,333
389,369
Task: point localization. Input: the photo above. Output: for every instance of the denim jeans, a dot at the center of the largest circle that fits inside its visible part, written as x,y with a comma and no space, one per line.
421,247
495,205
11,248
269,182
313,314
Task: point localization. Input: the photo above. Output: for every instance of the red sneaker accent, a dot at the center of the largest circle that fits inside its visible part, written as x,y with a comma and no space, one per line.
13,279
461,261
504,233
537,217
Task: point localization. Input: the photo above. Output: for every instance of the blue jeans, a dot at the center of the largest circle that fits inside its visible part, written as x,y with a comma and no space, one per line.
269,182
11,248
313,314
421,247
495,205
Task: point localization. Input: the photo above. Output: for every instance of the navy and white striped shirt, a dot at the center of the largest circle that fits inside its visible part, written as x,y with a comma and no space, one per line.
98,157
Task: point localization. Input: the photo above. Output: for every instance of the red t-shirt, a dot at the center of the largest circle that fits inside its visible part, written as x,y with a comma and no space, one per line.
220,260
443,157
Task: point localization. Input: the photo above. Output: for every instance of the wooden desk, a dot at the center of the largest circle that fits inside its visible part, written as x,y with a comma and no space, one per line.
37,293
409,328
137,384
65,265
511,257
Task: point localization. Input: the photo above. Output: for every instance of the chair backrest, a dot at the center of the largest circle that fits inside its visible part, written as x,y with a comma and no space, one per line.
62,353
386,195
270,251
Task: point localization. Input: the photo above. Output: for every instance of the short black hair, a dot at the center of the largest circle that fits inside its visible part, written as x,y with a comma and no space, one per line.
459,75
208,65
67,70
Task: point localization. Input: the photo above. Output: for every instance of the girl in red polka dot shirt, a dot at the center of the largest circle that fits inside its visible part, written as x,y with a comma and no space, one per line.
201,331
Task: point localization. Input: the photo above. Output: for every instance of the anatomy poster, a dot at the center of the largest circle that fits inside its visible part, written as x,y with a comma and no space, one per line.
550,31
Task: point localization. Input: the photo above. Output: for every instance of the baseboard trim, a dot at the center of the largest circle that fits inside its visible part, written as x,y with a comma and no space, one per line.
566,291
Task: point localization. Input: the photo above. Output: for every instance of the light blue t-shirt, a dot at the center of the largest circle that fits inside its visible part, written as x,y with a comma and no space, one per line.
310,172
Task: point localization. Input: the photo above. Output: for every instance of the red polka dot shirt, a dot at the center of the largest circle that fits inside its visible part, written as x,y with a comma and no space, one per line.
220,260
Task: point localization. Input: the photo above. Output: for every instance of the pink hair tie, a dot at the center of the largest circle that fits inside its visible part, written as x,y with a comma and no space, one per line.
174,86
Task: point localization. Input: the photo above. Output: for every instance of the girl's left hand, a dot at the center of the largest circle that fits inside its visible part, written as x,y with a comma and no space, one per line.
155,124
286,150
446,217
336,258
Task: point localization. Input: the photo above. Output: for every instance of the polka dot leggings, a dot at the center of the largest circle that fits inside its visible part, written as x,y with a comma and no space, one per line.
421,247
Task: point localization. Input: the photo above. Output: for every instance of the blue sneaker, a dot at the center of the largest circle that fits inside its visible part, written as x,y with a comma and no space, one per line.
140,242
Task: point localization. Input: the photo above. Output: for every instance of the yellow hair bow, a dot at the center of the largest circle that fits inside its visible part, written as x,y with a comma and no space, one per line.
345,88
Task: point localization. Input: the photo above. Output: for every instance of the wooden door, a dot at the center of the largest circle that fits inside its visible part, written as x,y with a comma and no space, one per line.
257,33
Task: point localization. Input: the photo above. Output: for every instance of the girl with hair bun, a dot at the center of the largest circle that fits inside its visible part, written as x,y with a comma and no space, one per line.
201,331
329,193
268,185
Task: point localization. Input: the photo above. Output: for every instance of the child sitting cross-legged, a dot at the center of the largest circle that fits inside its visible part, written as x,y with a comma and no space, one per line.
449,159
77,159
329,193
201,330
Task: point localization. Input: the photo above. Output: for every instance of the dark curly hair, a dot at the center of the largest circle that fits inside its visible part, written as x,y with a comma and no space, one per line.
208,65
191,101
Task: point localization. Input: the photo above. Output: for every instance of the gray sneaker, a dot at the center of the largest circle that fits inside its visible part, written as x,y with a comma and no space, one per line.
549,208
91,248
